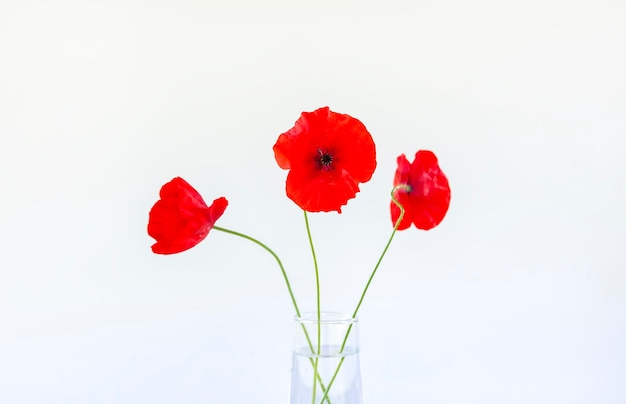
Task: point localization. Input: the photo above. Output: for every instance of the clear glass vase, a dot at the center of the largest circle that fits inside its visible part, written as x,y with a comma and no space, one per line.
338,377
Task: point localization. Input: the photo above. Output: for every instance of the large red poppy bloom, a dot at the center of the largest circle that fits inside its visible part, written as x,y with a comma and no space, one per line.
426,192
181,219
327,154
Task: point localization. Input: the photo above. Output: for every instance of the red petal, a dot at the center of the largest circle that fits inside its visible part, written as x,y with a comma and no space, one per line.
181,219
216,210
283,148
356,152
322,193
431,191
293,144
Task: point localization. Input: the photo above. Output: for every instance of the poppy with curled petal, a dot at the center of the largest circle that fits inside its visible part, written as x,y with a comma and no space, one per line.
181,219
327,154
424,192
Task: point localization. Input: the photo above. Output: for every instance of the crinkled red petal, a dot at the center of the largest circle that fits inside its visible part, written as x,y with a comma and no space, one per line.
430,197
353,145
322,193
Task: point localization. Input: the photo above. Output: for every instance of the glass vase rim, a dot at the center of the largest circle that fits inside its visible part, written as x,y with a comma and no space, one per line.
327,317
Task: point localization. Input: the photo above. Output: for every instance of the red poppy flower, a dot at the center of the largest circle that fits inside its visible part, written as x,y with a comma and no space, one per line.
427,194
327,154
181,219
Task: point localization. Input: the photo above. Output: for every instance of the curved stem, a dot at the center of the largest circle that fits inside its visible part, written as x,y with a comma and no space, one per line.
269,250
319,313
369,281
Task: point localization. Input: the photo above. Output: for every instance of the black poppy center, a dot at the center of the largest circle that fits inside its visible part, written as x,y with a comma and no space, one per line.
324,159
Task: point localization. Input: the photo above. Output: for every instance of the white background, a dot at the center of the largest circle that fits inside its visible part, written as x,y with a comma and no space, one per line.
518,297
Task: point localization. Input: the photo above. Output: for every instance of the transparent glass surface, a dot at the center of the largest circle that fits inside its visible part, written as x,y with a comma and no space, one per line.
338,377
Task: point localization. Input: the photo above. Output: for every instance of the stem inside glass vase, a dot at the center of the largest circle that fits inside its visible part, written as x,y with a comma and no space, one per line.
333,349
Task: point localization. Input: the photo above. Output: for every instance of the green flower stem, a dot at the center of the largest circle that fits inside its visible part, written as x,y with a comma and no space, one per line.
319,313
293,298
369,281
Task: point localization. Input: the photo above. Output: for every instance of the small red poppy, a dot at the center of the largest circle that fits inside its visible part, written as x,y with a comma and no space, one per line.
327,154
181,219
427,194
